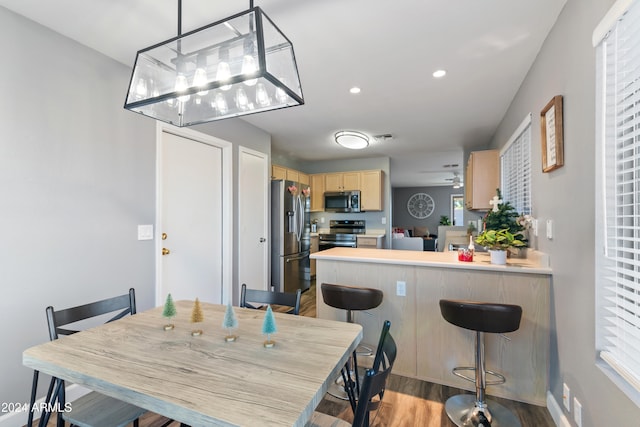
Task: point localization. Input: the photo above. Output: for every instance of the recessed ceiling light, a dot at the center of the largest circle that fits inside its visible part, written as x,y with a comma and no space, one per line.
354,89
439,73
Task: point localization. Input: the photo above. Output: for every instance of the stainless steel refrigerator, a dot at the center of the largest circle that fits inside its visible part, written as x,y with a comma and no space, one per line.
290,241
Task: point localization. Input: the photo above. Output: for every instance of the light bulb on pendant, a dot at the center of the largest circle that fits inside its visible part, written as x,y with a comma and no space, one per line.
249,67
200,75
220,104
242,100
262,97
141,89
223,71
181,86
281,95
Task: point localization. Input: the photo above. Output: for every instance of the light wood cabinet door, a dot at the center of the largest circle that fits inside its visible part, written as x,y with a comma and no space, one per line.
483,177
350,181
317,192
303,178
333,182
292,175
371,190
278,172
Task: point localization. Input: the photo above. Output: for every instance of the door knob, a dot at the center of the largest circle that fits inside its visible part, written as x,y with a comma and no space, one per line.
164,236
165,251
262,240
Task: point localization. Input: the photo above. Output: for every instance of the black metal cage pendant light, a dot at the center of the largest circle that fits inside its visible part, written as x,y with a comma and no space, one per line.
240,65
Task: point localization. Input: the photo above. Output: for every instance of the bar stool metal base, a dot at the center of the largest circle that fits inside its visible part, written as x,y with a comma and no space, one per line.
464,411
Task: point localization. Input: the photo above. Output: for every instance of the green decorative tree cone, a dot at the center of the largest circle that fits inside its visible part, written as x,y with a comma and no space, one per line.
269,344
168,327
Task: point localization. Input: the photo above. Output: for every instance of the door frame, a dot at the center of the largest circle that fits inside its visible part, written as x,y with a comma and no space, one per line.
227,204
267,212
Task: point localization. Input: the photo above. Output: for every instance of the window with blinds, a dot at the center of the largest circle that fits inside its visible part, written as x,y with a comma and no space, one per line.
515,168
618,219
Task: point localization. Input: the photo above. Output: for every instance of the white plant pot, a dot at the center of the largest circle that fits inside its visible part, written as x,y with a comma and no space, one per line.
498,257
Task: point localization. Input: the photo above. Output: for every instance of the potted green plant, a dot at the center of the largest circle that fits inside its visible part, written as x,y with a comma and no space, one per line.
497,242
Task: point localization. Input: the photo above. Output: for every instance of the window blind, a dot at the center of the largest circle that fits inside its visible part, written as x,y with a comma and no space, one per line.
515,167
618,271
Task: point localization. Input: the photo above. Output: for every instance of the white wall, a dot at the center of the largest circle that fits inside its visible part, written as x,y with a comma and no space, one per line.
566,66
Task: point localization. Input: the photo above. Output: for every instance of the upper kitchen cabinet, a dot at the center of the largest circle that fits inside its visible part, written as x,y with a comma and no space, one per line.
342,181
371,190
278,172
281,172
481,179
317,192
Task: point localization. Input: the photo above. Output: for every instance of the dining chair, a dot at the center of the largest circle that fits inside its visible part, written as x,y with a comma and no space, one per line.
248,297
372,388
93,409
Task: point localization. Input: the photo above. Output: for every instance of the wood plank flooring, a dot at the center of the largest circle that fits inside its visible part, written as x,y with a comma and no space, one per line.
407,402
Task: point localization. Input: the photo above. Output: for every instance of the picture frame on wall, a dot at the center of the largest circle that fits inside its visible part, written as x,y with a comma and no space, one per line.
551,135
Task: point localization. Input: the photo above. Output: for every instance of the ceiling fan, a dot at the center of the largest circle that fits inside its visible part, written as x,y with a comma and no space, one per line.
456,180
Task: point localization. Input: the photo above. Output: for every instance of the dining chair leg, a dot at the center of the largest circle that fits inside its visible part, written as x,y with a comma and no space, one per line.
32,401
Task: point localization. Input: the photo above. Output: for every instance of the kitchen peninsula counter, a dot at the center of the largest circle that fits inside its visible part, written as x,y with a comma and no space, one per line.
413,283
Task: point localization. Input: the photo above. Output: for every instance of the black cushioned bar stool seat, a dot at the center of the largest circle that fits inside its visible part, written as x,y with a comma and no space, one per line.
480,317
350,298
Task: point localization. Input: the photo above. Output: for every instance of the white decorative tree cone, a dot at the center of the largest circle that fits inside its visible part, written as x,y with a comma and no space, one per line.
498,257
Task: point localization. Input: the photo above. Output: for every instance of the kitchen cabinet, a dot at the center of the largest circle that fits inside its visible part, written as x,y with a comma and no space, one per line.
342,181
292,175
281,172
481,179
371,190
369,242
315,247
317,192
278,172
303,178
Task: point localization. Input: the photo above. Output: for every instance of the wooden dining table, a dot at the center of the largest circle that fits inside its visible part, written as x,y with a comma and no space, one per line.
205,380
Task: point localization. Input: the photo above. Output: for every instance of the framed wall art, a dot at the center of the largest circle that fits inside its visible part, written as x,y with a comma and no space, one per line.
551,135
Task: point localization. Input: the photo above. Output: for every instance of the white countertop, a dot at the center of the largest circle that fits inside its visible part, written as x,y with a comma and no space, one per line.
432,259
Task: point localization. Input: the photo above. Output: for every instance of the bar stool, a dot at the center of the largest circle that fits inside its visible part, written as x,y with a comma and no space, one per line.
350,298
465,409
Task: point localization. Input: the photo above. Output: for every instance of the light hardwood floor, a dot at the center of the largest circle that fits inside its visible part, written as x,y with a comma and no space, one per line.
407,402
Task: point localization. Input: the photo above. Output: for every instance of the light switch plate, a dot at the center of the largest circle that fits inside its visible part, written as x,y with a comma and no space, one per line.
401,288
549,229
145,232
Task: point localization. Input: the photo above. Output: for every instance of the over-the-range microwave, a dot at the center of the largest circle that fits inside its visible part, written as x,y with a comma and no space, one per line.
342,201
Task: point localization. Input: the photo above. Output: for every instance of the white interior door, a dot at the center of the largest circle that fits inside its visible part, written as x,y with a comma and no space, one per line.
192,191
253,217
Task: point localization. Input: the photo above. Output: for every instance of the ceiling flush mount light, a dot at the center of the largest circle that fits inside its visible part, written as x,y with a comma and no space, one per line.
240,65
352,139
439,73
355,90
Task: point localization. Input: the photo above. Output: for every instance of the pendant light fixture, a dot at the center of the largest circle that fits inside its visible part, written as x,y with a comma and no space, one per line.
240,65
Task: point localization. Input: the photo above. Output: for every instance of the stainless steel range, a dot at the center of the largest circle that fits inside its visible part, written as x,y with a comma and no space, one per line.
342,233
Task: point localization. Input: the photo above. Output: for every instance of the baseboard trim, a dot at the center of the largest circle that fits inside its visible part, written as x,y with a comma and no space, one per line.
19,419
556,412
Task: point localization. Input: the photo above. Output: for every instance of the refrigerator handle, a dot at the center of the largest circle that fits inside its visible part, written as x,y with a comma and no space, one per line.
296,258
301,217
291,221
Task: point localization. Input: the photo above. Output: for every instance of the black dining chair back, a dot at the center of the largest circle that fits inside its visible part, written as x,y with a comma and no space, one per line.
287,299
93,409
372,388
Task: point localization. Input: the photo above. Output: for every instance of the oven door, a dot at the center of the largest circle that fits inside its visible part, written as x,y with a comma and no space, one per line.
328,244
